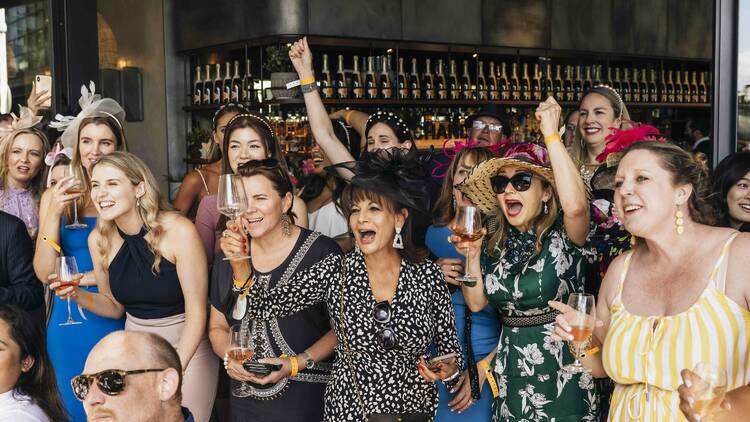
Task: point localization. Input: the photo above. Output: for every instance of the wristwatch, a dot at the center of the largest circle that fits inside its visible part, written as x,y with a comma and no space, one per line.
309,362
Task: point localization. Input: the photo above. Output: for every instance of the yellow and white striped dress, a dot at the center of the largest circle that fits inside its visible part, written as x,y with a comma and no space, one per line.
644,355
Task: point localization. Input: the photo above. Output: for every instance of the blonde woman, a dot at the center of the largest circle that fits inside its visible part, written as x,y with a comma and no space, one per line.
149,265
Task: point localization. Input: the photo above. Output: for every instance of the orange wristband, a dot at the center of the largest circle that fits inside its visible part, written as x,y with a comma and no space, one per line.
551,138
347,116
310,80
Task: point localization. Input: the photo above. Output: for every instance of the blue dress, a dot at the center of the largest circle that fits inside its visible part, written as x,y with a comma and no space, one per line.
69,345
485,335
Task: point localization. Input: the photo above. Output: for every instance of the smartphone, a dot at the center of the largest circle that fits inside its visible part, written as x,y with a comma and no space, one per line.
44,83
260,369
433,363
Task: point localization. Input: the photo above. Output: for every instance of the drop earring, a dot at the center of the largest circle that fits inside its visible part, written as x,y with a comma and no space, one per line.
286,226
546,209
679,221
398,240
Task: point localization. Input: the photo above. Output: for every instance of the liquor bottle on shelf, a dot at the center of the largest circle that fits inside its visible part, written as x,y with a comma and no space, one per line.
236,93
695,91
653,91
645,94
678,97
568,90
504,88
208,86
466,92
635,87
626,93
216,93
525,84
536,85
441,86
340,86
616,82
371,85
670,88
587,83
386,86
597,76
428,81
197,87
481,83
226,85
454,89
609,80
358,87
578,84
493,92
703,89
548,88
514,84
248,88
415,88
557,85
663,94
687,88
403,86
326,82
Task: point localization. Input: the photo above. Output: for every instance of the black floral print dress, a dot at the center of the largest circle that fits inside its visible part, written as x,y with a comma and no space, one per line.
386,381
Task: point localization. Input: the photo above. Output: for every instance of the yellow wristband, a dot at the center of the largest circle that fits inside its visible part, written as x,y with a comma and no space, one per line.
589,352
551,138
490,378
52,243
347,116
88,300
310,80
295,366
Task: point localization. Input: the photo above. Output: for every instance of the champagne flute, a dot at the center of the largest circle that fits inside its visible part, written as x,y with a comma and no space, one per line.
232,202
581,328
77,188
709,391
68,276
468,227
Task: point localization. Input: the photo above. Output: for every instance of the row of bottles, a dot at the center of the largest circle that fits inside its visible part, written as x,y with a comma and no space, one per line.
217,90
567,83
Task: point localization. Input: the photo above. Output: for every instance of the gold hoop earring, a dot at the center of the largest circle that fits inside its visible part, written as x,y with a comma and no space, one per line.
679,221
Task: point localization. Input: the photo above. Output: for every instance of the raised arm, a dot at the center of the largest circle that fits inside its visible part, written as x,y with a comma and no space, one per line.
320,124
571,189
356,119
53,203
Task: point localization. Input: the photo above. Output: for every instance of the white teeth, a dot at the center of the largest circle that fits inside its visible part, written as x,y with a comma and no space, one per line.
257,220
106,204
745,207
632,207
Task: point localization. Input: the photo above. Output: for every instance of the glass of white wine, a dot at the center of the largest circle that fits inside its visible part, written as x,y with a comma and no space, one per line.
709,391
232,202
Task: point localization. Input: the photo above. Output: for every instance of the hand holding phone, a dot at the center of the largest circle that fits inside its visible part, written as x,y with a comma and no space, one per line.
260,369
41,95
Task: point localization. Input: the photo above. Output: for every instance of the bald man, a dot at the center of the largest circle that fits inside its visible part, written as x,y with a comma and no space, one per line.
132,376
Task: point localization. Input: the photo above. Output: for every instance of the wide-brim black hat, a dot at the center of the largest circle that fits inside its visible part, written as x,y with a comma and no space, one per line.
490,110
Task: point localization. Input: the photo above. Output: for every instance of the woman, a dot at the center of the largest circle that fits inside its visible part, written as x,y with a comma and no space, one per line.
148,266
678,298
478,332
387,303
204,181
539,253
22,152
247,136
731,191
95,132
279,250
28,389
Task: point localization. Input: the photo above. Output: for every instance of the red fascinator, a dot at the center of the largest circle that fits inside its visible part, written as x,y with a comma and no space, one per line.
623,138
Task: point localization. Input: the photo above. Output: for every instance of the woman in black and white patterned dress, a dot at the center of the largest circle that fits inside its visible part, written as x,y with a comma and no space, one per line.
387,303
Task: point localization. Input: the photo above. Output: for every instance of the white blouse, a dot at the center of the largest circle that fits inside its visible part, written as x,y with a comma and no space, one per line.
327,221
15,407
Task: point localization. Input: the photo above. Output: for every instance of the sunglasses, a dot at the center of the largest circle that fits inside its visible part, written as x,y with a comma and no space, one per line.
521,182
386,337
480,125
110,382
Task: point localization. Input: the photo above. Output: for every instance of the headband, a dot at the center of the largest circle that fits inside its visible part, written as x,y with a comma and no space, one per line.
54,156
92,105
255,117
383,116
346,131
612,90
25,120
222,108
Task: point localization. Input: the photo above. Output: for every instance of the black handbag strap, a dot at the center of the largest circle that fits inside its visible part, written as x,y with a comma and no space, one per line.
346,350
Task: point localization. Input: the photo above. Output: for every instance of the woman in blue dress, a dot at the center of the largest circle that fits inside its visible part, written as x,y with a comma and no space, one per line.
483,328
95,132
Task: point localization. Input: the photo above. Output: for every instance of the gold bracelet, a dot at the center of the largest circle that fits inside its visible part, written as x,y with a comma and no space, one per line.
551,138
295,366
347,116
310,80
490,378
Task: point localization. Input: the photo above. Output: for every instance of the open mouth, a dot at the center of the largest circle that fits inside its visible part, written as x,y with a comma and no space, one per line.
591,130
23,169
513,207
745,207
251,221
366,236
105,205
631,209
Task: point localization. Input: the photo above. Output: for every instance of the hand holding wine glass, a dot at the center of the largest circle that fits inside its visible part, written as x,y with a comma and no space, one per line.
576,324
75,188
240,350
468,229
232,202
702,394
65,282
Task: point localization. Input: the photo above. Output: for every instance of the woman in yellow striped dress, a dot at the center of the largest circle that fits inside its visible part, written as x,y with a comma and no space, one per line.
680,297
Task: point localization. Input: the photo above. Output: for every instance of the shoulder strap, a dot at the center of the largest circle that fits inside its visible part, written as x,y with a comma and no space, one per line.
718,276
345,350
624,274
203,179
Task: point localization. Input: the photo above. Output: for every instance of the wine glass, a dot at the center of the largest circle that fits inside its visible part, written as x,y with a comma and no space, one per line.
77,188
240,348
232,202
67,275
468,227
581,328
709,391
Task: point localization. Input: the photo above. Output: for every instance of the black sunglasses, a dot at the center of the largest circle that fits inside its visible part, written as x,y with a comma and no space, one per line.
111,381
386,337
521,182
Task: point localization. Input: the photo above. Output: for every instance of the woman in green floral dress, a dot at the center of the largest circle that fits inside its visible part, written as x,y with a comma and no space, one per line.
538,254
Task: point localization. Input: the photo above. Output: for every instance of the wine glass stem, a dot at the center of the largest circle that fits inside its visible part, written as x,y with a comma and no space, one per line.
70,316
466,264
75,211
241,228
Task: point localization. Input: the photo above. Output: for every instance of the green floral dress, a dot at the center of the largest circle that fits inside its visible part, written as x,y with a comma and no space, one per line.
527,365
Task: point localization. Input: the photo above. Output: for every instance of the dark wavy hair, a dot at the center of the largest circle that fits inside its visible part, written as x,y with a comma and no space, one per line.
262,127
729,171
39,381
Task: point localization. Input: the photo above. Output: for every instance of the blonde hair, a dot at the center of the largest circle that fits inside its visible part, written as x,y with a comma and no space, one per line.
578,148
37,183
151,204
540,225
